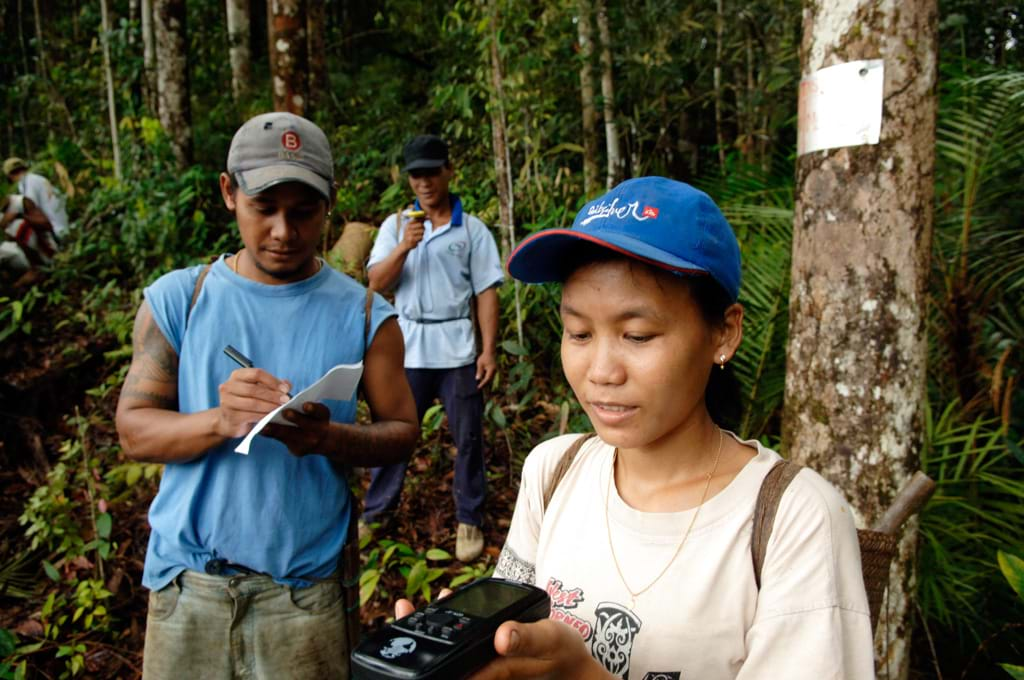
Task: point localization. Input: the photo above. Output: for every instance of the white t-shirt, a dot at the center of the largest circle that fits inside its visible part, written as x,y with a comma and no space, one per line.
704,619
20,231
49,200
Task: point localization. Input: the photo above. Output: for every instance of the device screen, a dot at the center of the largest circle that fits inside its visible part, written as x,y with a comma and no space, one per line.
485,600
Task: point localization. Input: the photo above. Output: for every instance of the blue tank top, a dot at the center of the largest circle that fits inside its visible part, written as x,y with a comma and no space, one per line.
270,511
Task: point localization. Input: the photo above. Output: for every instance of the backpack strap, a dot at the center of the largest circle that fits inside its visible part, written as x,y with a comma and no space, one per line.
564,463
772,488
198,288
367,314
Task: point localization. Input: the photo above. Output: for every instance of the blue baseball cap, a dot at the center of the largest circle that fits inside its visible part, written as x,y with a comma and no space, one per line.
659,221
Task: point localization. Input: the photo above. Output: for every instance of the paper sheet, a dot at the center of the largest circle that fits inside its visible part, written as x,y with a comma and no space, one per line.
840,106
339,383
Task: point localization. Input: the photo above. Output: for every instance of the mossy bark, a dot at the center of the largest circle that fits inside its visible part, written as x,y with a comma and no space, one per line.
289,55
855,377
172,76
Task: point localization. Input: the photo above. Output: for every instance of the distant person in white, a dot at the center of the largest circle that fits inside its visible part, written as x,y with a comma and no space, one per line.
41,192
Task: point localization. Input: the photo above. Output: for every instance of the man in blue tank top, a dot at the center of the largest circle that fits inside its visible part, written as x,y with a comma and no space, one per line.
245,554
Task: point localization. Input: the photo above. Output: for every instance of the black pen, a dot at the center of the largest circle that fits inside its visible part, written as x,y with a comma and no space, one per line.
243,361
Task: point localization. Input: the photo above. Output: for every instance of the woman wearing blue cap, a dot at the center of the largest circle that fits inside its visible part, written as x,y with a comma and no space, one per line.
645,543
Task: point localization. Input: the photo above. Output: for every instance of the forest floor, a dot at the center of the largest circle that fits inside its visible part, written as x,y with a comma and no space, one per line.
40,388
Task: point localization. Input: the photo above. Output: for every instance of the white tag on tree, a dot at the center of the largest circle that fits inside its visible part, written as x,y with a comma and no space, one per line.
840,106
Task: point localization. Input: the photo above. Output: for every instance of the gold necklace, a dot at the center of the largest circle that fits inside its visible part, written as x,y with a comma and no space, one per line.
633,594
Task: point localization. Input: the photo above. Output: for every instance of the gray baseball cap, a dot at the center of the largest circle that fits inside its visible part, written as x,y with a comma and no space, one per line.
278,147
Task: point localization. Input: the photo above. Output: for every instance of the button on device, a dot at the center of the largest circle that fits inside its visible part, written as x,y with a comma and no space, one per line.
441,618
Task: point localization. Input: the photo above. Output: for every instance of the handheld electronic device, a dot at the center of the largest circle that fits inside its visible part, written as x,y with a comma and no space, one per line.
449,638
415,214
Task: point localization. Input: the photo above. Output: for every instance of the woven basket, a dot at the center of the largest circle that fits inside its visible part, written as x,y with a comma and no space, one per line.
876,552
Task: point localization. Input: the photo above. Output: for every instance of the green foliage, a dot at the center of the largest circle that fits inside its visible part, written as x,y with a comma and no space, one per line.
10,667
759,205
394,556
976,509
16,315
470,573
1013,569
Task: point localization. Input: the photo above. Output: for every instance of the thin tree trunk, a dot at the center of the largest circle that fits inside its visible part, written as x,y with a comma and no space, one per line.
590,171
289,55
109,74
149,86
316,44
133,15
40,47
719,133
855,377
21,37
616,164
172,76
238,21
502,164
749,114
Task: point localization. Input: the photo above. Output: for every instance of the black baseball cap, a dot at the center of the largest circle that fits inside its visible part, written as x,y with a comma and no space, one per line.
424,152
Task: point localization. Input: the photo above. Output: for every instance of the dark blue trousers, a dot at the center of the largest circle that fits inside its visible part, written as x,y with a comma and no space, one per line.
463,404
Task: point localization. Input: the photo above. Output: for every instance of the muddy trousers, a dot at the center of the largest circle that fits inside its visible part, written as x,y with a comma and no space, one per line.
245,626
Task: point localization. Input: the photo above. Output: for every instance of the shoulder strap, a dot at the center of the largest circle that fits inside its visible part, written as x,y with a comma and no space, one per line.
772,488
563,466
196,291
367,314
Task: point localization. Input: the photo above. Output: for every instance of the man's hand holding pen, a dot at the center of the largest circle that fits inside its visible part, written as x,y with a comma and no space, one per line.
245,397
251,393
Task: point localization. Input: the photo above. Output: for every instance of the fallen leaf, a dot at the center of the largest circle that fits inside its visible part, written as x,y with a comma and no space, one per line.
29,628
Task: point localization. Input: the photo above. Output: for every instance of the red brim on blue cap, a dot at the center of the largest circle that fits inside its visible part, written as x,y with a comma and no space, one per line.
662,222
546,256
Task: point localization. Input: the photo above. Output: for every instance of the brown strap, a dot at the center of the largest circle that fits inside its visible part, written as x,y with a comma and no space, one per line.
563,466
772,488
367,313
196,290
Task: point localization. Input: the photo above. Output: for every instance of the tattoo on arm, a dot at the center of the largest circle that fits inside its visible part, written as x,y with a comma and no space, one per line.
152,380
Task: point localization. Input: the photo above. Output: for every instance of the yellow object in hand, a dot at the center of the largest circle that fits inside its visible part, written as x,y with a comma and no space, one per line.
415,214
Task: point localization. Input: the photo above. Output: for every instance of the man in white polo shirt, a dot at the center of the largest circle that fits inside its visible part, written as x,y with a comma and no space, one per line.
438,259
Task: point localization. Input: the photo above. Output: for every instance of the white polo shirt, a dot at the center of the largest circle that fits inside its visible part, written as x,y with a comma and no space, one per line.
453,263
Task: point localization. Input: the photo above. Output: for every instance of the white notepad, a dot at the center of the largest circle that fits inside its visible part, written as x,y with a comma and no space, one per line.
338,383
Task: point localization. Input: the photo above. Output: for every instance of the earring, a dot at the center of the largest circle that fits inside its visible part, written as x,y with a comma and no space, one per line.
721,362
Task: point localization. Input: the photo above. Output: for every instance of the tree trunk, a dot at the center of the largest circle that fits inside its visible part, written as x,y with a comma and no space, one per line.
316,45
172,76
238,47
288,55
590,171
149,87
40,47
719,132
502,163
21,38
855,377
133,16
616,166
109,75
